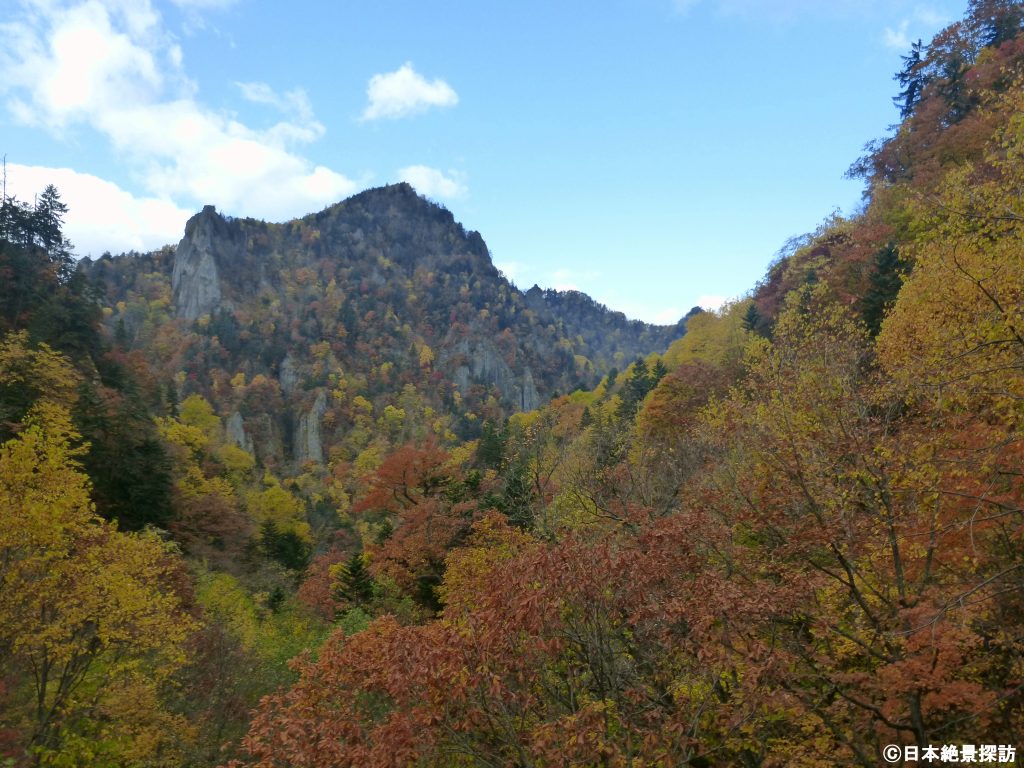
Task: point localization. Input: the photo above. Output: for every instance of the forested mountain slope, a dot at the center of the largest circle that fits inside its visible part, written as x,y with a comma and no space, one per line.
384,291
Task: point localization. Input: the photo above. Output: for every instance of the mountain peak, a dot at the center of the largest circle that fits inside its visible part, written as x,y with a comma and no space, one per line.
401,196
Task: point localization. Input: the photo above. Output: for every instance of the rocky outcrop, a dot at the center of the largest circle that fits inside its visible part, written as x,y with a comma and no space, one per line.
235,428
266,439
210,242
288,374
478,361
308,442
529,397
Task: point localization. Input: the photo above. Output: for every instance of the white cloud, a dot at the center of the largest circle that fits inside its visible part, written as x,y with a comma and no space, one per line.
587,281
405,92
110,65
72,61
101,216
669,316
900,39
655,314
562,280
432,182
711,302
512,269
897,39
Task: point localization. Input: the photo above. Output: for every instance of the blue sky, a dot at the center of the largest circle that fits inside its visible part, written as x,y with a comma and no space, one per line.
653,153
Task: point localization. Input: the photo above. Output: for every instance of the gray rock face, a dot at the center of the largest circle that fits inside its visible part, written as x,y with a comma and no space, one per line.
287,374
530,398
484,364
308,443
209,243
236,432
266,439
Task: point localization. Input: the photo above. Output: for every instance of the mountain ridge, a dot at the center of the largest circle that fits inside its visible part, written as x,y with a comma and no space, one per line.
385,286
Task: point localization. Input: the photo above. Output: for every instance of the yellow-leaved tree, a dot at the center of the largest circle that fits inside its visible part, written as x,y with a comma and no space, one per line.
90,628
956,334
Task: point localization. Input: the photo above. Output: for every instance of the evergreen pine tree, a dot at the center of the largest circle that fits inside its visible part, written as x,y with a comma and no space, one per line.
491,447
658,372
284,546
751,318
517,497
609,381
640,382
121,334
886,279
47,221
171,399
355,583
586,419
912,79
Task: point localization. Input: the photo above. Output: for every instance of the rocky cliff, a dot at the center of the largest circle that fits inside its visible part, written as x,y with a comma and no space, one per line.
209,246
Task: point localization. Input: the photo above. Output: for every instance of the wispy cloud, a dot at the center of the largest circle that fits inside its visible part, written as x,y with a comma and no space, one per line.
111,66
405,92
293,102
897,38
432,182
197,12
925,22
301,125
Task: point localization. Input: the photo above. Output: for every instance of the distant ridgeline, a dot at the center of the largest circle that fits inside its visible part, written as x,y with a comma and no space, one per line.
294,331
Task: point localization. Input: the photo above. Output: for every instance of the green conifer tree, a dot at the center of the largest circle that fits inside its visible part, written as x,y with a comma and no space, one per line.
355,583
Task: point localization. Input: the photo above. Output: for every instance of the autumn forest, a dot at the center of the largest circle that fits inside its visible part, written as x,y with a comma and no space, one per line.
334,492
